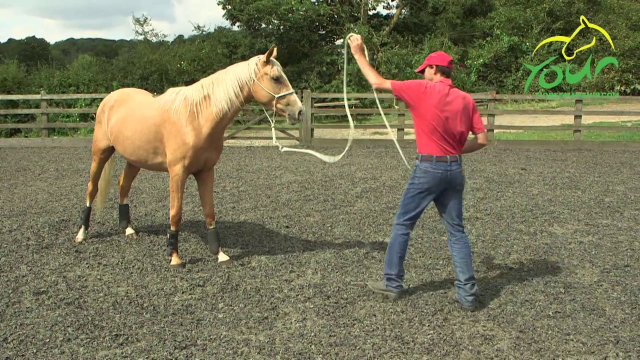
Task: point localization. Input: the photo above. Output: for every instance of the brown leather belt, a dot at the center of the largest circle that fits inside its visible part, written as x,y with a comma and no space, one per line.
439,158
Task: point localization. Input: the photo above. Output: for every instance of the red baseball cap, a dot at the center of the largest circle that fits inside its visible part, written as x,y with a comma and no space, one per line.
436,58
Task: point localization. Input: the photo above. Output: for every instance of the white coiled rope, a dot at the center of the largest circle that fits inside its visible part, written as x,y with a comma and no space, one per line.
335,158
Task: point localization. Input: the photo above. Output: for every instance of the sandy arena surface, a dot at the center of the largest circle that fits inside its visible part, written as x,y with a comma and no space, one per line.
554,234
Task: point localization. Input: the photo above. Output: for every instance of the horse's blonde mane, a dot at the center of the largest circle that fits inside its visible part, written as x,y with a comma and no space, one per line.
225,86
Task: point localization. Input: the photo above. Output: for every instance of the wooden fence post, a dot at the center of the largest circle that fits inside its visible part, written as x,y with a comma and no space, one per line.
300,96
305,133
401,116
491,118
577,120
44,117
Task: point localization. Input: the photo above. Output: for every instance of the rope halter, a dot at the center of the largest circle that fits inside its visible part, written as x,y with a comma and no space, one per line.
275,99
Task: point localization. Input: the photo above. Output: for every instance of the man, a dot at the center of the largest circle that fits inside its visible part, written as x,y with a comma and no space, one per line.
443,116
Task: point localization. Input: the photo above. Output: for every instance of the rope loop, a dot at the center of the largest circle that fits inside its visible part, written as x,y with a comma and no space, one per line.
336,158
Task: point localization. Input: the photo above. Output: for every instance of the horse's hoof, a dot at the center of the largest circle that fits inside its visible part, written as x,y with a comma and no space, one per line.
224,260
225,263
82,235
130,233
178,266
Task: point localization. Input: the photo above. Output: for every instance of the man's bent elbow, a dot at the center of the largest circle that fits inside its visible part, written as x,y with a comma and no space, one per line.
382,85
483,139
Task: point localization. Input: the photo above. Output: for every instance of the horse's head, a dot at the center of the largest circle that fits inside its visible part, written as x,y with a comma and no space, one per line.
570,54
271,87
569,51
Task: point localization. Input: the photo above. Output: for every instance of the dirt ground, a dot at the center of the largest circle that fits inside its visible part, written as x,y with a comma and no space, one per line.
554,235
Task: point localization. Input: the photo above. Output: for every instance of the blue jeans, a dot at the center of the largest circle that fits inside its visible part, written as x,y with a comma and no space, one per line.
443,183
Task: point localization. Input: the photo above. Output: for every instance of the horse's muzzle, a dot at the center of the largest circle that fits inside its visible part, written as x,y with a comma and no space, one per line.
296,115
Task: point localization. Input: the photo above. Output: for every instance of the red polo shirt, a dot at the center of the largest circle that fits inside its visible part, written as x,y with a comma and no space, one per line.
443,115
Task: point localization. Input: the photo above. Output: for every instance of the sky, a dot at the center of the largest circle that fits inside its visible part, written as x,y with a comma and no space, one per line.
56,20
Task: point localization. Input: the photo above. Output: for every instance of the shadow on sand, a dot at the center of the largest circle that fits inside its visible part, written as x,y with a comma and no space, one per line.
491,286
253,239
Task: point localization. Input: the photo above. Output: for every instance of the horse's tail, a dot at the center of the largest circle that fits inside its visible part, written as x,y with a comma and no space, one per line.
104,184
105,178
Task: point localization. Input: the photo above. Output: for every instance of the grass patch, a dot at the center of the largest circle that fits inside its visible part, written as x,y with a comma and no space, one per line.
550,104
543,104
534,105
593,135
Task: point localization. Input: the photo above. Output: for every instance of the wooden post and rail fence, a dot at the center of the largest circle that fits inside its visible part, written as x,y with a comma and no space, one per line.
41,115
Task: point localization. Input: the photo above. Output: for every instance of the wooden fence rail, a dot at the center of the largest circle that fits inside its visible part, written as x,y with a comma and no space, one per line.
485,101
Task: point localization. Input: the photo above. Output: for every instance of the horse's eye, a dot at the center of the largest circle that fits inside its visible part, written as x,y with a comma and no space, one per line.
276,78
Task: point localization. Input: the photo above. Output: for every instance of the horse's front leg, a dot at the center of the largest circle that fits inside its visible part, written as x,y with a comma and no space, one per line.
205,179
177,181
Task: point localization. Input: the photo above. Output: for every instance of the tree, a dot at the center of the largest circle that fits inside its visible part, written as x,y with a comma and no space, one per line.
33,52
144,29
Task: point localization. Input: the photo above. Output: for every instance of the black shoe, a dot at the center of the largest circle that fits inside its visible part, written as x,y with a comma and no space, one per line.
381,288
454,297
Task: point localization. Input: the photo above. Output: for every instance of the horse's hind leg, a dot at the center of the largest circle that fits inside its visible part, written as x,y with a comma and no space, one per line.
124,183
205,179
100,157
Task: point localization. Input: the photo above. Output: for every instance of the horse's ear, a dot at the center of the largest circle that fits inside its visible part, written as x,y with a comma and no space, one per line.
584,21
271,54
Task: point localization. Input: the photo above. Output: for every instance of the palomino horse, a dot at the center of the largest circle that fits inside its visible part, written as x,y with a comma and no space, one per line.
180,132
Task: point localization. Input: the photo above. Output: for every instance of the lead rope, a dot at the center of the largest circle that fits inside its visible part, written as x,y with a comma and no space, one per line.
329,158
